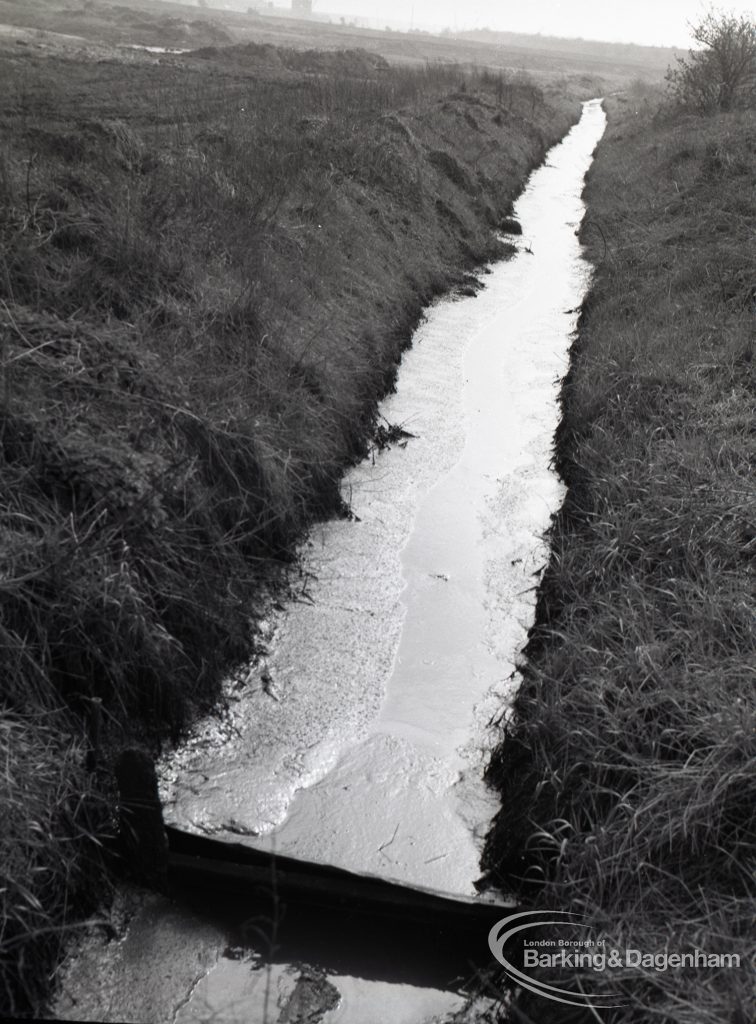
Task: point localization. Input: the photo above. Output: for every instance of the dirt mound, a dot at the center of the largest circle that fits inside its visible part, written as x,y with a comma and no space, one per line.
176,31
168,30
258,55
350,62
125,15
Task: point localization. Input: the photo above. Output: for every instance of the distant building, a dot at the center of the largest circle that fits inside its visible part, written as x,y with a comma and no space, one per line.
301,6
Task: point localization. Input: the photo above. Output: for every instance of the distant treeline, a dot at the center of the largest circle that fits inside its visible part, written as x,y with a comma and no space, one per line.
624,52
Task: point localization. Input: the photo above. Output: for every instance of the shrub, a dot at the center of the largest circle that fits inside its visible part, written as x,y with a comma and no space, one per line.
722,75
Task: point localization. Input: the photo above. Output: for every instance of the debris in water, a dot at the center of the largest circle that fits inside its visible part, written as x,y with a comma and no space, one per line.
385,845
267,684
313,997
392,433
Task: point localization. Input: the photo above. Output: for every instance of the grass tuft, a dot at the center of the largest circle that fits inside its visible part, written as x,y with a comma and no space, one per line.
49,850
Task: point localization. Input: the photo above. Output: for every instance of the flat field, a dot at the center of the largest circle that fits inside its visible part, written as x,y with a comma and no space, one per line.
173,25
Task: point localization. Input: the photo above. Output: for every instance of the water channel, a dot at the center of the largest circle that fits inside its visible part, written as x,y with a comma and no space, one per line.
359,737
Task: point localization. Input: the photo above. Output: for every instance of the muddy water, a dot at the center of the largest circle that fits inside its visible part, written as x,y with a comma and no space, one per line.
359,737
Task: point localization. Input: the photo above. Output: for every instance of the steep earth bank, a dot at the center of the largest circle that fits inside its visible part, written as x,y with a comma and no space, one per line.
626,772
208,270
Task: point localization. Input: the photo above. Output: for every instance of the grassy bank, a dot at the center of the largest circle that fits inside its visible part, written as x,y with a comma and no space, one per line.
209,268
627,769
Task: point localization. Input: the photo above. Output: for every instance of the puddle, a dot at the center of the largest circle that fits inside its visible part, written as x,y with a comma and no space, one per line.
359,740
153,49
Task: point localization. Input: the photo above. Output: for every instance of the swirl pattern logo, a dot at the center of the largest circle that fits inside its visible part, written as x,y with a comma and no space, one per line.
573,953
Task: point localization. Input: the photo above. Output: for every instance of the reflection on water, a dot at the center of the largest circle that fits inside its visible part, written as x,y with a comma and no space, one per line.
154,49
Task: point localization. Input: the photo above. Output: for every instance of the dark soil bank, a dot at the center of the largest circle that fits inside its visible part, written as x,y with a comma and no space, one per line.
626,774
208,272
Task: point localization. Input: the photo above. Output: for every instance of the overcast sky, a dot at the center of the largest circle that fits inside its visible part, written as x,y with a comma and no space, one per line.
657,22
